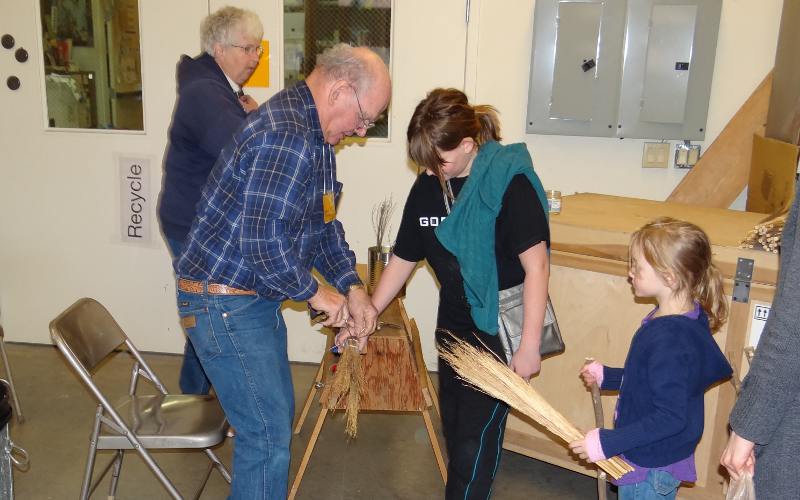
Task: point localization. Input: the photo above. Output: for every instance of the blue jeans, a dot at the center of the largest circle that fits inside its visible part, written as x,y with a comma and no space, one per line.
659,485
192,379
241,343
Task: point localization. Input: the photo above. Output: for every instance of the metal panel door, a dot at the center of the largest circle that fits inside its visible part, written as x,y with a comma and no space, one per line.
575,67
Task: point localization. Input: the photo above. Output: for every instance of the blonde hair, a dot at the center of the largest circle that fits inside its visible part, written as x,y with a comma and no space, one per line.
442,120
683,250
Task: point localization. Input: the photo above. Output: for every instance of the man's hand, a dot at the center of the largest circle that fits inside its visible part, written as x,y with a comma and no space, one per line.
364,315
738,456
332,303
349,332
248,103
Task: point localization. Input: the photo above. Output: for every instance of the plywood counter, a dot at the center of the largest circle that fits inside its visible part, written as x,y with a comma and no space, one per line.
598,316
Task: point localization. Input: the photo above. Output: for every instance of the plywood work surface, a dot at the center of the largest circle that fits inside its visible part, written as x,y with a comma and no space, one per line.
391,381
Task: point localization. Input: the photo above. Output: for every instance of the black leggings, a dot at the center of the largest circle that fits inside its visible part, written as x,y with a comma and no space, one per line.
473,425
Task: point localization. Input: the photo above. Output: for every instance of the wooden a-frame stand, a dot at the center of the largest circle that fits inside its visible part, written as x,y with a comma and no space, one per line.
396,380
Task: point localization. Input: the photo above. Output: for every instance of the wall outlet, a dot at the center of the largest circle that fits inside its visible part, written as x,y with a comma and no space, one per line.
655,155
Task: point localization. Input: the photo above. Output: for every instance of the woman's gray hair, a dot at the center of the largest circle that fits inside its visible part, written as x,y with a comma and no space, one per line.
340,62
223,25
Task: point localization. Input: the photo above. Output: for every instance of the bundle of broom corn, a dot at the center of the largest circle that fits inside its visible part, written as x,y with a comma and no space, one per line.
486,373
348,383
766,235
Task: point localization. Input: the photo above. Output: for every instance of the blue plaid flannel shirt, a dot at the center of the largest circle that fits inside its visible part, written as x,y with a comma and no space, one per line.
260,222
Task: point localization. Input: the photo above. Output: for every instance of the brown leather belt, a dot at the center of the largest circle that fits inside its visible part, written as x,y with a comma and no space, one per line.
213,288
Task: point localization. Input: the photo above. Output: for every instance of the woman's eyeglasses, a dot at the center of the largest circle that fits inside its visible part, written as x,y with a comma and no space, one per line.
250,49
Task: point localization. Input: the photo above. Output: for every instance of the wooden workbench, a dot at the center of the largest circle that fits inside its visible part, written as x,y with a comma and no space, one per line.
598,316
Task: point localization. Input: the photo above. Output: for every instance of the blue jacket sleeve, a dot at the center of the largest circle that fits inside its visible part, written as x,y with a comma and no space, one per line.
612,378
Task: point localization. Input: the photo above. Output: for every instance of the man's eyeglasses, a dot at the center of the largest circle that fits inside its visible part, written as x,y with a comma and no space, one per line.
363,121
250,49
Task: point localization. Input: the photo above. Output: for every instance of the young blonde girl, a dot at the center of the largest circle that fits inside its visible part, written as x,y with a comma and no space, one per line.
671,362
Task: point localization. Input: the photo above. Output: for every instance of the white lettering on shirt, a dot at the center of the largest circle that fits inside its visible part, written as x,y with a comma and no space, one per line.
431,221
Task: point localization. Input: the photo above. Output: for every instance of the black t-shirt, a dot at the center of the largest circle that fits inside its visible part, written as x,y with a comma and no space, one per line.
520,225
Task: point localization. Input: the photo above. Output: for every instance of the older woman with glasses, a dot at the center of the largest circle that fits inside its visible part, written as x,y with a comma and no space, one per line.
209,109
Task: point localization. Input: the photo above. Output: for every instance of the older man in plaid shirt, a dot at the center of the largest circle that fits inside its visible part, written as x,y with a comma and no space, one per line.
266,218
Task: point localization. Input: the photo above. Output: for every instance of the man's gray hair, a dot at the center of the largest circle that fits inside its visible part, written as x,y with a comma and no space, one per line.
222,27
340,62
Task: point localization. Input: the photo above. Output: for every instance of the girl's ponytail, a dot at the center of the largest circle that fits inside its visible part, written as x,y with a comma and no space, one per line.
710,294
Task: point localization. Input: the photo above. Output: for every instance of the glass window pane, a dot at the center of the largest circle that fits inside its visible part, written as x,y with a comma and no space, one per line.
311,26
92,64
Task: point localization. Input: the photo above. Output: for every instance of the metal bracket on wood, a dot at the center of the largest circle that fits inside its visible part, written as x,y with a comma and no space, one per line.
741,283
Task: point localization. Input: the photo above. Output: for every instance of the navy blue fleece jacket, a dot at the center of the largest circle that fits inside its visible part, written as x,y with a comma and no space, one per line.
671,362
207,113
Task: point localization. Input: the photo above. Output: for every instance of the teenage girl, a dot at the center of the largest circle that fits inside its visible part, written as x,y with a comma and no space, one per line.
475,214
672,360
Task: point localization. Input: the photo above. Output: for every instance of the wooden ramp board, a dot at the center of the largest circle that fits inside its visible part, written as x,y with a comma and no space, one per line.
724,169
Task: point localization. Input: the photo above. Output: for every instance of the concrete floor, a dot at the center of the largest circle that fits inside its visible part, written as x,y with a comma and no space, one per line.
391,459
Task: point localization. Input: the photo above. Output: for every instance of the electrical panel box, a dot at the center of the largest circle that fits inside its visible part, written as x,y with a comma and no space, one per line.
617,68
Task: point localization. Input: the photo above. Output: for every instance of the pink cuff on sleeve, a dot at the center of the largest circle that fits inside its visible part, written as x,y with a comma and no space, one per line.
596,369
593,447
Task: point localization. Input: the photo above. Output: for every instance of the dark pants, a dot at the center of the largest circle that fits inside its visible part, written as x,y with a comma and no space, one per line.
473,425
193,379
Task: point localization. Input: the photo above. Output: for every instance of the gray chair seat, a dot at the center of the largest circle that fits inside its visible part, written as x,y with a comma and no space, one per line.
168,421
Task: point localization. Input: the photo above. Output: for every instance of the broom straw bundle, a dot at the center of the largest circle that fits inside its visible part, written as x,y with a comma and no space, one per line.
483,371
348,383
766,235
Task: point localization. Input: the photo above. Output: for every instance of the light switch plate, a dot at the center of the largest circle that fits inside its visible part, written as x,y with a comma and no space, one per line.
655,155
686,155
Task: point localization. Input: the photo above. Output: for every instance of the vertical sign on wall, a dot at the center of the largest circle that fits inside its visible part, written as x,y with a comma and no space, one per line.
134,199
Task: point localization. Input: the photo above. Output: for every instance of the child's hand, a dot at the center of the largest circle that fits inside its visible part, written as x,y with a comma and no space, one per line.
592,373
579,448
589,448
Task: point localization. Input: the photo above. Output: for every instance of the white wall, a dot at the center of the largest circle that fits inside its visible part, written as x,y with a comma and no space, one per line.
59,192
59,204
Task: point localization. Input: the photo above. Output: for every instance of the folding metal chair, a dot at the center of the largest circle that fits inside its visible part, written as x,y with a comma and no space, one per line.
87,334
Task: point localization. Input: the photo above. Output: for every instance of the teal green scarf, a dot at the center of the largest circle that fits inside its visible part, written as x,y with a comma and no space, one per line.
469,231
